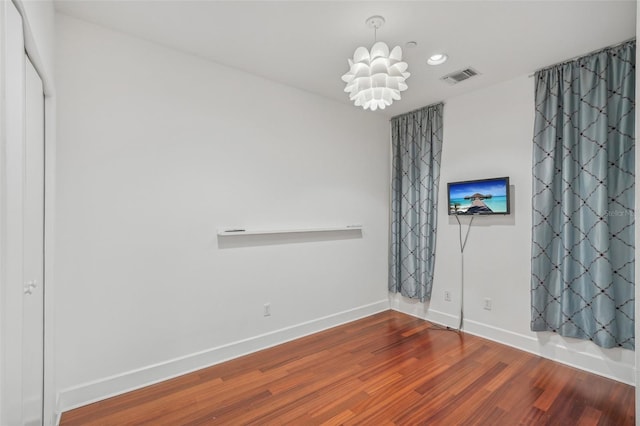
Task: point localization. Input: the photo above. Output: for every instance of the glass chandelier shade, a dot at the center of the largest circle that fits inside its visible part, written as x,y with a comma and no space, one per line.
375,79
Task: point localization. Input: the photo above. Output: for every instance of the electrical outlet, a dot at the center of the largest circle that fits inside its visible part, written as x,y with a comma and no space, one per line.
487,303
447,296
267,310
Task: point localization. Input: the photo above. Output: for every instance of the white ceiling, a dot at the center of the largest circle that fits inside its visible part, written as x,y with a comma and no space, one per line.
306,44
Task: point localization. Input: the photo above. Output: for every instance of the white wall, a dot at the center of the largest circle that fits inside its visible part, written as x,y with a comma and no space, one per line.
488,133
156,150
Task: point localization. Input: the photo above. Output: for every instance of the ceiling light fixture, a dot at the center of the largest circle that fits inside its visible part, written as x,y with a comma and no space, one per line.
375,79
437,59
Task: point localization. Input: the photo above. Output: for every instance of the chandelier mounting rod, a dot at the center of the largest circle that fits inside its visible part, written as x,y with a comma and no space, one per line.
375,22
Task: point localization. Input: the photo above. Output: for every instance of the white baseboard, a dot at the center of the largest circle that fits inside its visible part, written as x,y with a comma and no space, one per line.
615,364
563,350
621,369
107,387
421,310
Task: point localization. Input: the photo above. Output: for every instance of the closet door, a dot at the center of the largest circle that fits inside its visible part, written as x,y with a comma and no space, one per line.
33,251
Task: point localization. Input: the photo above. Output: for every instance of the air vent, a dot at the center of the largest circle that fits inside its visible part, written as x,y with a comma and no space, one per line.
458,76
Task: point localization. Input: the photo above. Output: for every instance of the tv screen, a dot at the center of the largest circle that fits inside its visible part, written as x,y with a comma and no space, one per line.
483,196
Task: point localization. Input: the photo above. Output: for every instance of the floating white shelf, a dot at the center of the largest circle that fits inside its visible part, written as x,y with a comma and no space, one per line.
228,232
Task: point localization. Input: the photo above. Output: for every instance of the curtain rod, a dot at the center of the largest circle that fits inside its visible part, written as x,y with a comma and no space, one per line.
417,109
593,52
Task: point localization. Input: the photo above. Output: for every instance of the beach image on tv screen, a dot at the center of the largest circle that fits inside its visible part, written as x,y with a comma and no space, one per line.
479,197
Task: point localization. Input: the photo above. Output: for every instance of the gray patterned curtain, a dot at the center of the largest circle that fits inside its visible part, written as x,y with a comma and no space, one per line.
582,281
417,146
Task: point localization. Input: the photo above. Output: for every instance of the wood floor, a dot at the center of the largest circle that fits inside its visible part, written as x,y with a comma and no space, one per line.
387,369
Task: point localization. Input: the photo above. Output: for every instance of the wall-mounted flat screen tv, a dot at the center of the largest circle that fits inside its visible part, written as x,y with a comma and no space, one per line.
482,196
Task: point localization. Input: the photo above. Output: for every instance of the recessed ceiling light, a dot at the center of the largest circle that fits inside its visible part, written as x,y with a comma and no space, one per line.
437,59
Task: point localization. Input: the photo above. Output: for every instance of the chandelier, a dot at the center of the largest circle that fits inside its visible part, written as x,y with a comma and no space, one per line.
376,78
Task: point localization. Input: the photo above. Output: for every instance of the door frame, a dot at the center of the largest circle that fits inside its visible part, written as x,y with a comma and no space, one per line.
11,196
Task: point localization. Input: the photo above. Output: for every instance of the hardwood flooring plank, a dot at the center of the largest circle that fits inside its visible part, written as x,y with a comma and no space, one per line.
338,419
589,417
453,409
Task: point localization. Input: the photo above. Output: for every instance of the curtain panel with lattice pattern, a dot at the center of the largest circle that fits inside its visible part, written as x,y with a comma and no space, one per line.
417,147
582,281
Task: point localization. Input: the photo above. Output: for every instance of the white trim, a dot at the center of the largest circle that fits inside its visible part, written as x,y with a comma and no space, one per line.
555,351
601,366
12,112
33,51
30,46
107,387
49,258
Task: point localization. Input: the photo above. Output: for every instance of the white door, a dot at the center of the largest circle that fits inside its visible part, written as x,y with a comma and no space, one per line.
33,251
